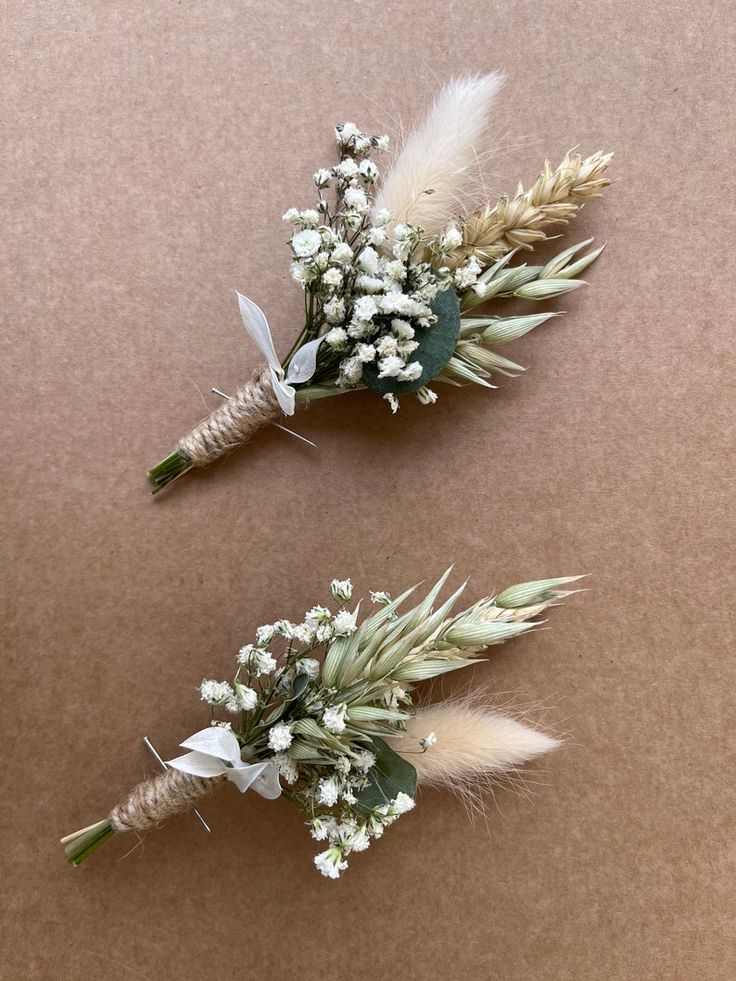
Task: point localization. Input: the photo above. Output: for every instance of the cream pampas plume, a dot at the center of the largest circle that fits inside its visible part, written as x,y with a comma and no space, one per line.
435,166
473,745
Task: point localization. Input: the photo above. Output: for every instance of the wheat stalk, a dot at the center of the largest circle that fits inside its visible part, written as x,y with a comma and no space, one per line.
516,222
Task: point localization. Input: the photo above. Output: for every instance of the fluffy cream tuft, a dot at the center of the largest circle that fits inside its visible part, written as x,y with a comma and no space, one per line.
440,155
473,745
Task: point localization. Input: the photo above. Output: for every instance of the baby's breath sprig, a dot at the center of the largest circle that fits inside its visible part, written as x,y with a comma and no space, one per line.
313,707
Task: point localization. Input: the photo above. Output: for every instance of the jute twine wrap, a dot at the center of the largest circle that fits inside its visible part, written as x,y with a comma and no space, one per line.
251,407
164,795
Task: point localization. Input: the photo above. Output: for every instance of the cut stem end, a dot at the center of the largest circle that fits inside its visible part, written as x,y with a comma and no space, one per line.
172,467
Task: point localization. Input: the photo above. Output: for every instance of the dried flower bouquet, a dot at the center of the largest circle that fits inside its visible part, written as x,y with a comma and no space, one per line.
393,271
341,736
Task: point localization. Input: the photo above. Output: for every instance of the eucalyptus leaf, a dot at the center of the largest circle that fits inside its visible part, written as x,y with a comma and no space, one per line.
389,776
436,347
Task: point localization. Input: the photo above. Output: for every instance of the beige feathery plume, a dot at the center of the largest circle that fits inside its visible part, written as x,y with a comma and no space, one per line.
474,745
437,161
517,222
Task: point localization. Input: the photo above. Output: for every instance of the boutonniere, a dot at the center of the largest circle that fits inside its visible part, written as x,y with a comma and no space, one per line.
399,271
324,713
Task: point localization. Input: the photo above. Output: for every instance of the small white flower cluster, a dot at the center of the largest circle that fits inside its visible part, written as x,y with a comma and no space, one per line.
367,292
351,834
290,717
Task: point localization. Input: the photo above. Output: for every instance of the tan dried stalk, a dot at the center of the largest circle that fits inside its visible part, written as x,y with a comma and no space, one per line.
517,222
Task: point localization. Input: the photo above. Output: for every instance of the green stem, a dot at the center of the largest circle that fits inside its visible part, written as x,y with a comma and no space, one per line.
82,846
172,467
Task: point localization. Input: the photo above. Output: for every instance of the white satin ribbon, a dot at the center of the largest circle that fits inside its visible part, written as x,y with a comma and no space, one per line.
301,367
216,752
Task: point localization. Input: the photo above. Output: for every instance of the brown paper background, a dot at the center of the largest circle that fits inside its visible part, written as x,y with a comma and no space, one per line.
149,151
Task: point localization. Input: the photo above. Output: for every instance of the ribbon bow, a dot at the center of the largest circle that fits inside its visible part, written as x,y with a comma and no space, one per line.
301,366
217,752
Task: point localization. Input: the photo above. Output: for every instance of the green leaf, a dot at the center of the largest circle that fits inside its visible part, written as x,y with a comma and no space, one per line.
389,776
436,347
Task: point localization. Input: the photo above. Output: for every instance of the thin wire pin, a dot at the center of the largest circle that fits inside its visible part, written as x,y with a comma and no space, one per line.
152,749
216,391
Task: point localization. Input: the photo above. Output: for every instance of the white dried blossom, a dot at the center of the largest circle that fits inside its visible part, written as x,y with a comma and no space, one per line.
411,372
337,338
368,171
365,353
335,718
390,367
392,401
368,260
344,623
355,198
331,863
351,371
334,310
345,132
346,169
364,760
322,177
377,236
380,597
332,277
245,698
328,791
402,803
426,396
264,634
292,216
215,692
452,239
365,308
341,589
309,666
429,740
280,737
342,253
306,242
287,767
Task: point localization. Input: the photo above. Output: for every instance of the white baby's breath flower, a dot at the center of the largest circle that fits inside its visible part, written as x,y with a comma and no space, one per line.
344,132
341,589
292,216
361,328
330,863
402,803
386,347
302,273
308,666
342,252
429,740
360,840
351,371
368,261
284,628
368,171
280,737
306,242
382,217
365,308
337,338
342,764
355,198
215,692
334,310
304,634
347,169
328,791
452,239
390,367
396,270
380,597
332,277
287,767
426,396
364,760
264,634
322,177
411,372
309,218
263,662
245,697
381,143
344,623
318,614
365,353
467,275
392,401
334,718
377,236
369,284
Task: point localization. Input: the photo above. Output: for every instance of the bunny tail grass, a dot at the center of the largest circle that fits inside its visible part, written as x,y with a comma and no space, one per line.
473,745
437,162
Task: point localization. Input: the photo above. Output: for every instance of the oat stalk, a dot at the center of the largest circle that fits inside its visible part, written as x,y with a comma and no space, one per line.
518,222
